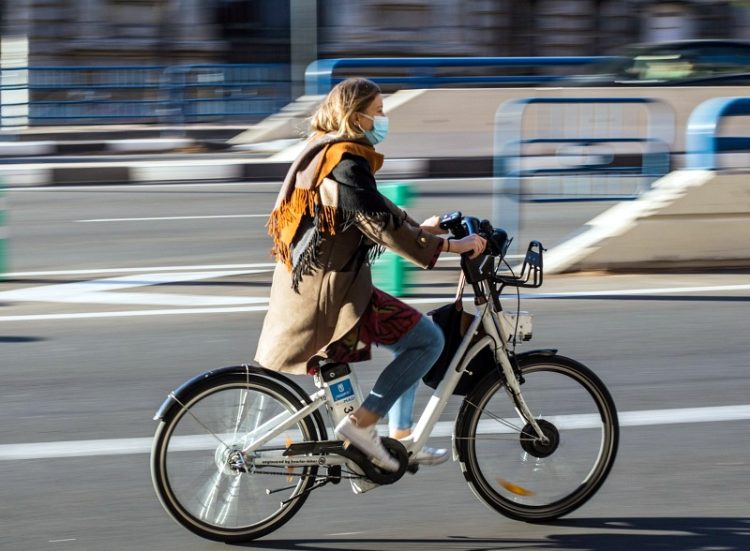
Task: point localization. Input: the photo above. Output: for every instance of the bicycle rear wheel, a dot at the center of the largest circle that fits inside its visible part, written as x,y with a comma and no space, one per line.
197,443
510,468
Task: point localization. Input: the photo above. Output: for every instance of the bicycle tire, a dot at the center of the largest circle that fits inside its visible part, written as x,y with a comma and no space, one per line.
518,475
191,451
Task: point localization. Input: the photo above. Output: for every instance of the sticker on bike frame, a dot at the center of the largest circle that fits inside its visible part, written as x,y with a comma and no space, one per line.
342,390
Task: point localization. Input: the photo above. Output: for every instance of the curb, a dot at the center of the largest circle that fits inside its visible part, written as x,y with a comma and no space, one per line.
34,174
53,148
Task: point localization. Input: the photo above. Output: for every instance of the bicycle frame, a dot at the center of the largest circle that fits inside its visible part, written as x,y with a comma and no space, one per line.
495,336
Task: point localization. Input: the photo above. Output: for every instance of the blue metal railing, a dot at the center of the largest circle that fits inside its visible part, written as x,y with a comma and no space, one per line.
431,72
143,94
703,141
598,159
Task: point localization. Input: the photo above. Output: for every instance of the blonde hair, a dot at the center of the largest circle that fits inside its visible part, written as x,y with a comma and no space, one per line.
336,114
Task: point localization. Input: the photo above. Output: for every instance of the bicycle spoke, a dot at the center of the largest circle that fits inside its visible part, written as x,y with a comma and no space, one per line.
195,418
196,462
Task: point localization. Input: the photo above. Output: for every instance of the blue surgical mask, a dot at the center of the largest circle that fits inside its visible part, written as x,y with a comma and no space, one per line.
379,129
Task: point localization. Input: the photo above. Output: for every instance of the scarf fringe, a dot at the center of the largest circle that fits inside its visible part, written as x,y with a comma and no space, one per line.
285,218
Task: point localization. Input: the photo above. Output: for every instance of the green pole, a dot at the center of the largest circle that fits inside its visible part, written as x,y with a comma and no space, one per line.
389,272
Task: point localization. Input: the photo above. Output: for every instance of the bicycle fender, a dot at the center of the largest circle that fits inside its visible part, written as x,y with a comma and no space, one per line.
539,352
177,395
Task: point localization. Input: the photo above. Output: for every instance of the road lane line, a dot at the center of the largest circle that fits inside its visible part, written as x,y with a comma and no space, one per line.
129,446
654,291
422,300
157,218
13,275
99,291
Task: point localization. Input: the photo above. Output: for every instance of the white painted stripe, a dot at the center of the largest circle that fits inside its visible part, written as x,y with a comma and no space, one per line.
151,163
135,313
156,218
127,446
424,300
99,291
655,291
143,269
139,187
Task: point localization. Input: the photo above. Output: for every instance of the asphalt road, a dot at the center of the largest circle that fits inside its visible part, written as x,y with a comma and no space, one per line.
91,345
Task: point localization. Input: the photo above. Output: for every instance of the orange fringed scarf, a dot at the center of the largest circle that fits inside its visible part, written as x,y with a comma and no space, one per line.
299,194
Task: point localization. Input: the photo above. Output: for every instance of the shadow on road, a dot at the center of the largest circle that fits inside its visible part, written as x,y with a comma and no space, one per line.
595,534
17,339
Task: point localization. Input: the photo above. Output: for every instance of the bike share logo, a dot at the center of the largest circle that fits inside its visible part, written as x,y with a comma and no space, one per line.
342,390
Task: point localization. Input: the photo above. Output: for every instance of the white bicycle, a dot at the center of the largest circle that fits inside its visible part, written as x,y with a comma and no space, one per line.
238,450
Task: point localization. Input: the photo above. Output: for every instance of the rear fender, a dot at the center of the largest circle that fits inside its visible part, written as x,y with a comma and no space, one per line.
177,396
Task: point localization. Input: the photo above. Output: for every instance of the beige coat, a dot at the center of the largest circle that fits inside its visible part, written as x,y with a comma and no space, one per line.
331,301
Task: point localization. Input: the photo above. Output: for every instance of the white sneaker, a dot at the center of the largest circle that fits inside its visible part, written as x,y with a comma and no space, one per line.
429,456
368,442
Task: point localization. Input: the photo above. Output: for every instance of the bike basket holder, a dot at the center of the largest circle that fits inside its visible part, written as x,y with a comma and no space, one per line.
532,273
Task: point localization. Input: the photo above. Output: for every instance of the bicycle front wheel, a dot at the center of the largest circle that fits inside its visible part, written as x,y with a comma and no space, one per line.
525,477
197,448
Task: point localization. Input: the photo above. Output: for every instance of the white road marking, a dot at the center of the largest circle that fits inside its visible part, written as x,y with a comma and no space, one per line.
656,291
135,313
261,303
158,218
98,291
128,446
13,275
141,187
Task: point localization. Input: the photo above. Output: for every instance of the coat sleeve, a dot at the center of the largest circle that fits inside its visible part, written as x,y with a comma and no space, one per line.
401,234
405,238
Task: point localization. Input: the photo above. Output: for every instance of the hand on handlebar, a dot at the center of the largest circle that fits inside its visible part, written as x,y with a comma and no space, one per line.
432,225
473,244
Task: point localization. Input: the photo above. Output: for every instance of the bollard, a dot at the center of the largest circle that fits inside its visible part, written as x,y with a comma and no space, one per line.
3,232
389,272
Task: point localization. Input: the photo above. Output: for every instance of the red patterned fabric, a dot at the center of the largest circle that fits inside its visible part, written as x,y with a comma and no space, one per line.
386,320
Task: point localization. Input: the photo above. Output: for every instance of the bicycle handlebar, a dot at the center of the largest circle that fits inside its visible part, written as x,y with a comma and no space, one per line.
483,267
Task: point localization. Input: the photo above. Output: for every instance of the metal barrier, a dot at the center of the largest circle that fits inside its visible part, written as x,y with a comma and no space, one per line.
431,72
703,141
584,149
147,94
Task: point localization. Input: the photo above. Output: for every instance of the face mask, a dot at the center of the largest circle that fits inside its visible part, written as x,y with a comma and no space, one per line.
379,129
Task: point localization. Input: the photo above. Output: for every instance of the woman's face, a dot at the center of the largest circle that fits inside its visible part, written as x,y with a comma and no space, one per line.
374,109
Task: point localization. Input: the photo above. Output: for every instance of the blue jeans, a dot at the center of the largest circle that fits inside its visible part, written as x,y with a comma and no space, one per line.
396,386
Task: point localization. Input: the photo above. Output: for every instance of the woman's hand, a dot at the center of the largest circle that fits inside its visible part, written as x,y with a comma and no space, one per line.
432,225
473,244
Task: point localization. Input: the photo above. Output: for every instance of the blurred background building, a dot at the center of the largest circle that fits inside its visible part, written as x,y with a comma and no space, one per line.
191,60
72,32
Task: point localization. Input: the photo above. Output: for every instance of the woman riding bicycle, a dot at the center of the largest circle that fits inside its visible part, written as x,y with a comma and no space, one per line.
328,223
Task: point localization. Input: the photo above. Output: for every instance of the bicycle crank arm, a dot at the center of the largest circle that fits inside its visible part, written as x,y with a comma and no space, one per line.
333,452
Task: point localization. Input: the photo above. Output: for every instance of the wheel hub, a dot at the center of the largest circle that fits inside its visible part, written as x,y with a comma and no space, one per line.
230,460
538,447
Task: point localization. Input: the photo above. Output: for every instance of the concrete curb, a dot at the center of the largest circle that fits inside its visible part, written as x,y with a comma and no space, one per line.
205,169
52,148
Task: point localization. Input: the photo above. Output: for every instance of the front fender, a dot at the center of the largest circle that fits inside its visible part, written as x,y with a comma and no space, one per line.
177,396
540,352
